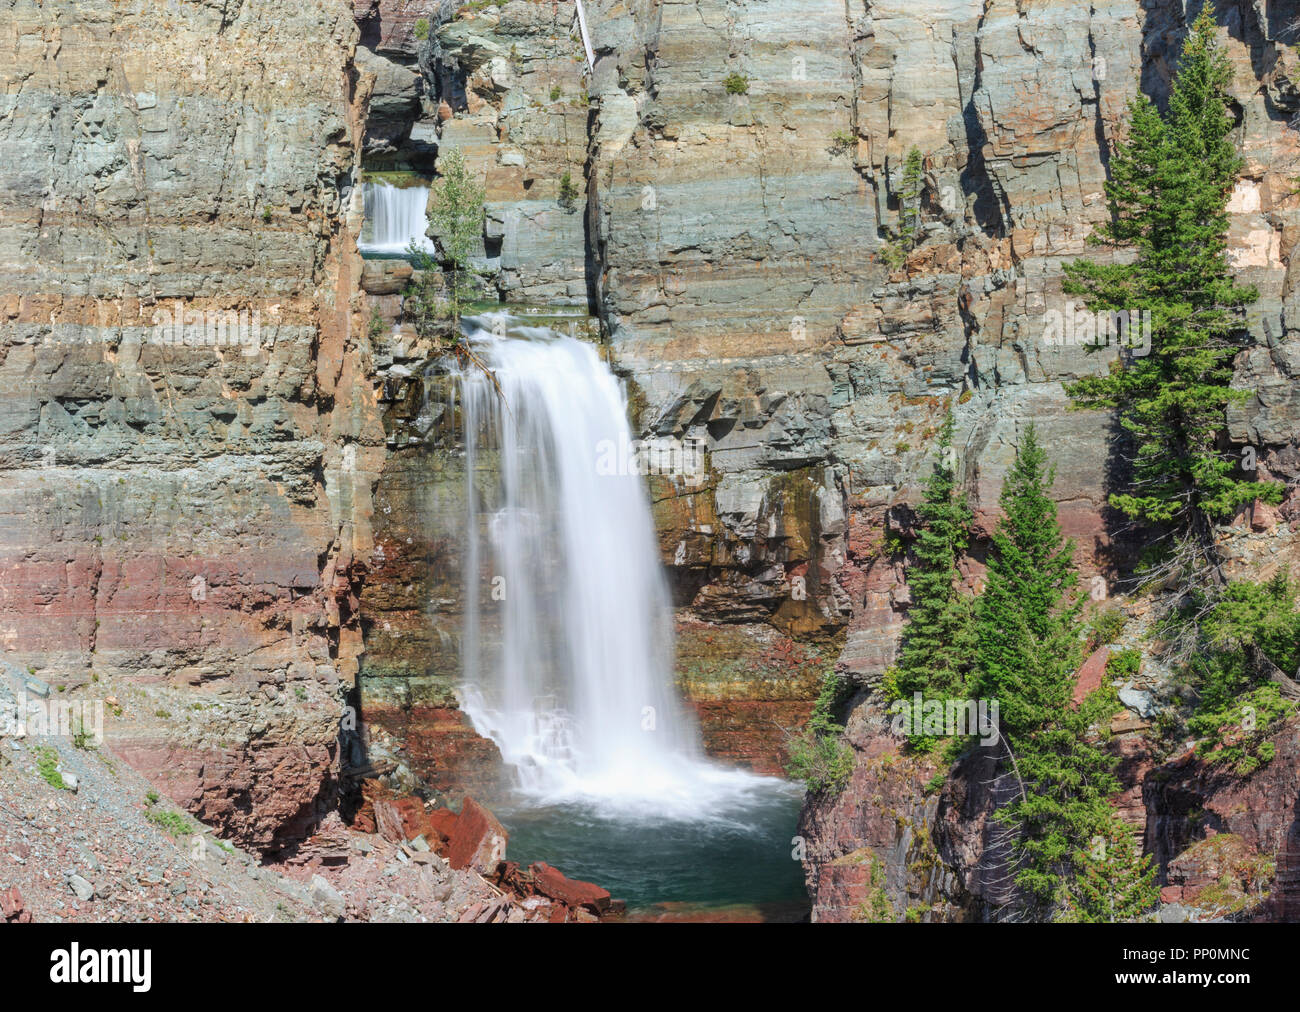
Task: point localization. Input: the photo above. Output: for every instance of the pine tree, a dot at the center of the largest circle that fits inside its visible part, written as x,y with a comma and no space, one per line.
910,199
1027,636
1171,180
937,645
1027,618
1114,880
1067,781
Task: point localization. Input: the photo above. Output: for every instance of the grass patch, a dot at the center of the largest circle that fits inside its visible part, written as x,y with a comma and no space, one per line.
170,822
47,763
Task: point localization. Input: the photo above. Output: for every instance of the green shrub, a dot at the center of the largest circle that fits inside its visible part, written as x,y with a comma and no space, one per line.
422,29
1252,625
1234,734
1124,664
893,255
842,142
819,755
555,93
1262,615
1106,625
171,823
82,736
876,908
736,84
568,191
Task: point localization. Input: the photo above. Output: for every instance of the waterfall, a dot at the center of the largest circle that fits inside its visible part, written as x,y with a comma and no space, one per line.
567,645
394,216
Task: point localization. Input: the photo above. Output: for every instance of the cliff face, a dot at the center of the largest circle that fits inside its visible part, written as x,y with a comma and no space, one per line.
187,432
744,275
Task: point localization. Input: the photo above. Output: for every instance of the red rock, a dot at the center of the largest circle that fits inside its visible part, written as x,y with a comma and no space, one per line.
1263,517
263,796
388,821
12,908
1090,674
441,822
441,747
414,818
740,731
1171,894
1135,762
553,884
477,840
1205,828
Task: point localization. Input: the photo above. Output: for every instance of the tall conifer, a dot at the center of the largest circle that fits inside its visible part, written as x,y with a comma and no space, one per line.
1168,193
937,647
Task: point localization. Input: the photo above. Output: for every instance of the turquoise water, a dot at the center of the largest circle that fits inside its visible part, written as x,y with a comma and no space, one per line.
737,863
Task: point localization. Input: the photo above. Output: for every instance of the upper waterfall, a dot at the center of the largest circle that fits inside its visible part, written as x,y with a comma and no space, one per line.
394,218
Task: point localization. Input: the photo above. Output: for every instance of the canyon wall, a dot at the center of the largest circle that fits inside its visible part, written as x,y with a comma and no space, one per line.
188,434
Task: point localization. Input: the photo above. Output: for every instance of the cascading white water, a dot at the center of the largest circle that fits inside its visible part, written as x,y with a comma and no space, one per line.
394,218
567,639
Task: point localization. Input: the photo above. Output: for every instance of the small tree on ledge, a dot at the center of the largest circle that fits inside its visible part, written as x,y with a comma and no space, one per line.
455,218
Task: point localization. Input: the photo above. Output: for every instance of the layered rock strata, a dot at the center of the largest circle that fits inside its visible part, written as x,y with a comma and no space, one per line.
188,438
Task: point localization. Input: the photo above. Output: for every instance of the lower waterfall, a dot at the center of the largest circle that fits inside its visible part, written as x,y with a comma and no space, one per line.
567,642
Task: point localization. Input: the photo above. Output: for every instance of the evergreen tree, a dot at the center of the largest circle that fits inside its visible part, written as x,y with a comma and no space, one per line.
1067,780
1168,194
1027,650
910,199
1027,618
937,645
1114,881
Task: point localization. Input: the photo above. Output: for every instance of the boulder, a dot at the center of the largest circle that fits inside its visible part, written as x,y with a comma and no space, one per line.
390,819
326,897
1091,674
439,824
477,839
1263,517
84,890
553,884
12,908
1140,702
